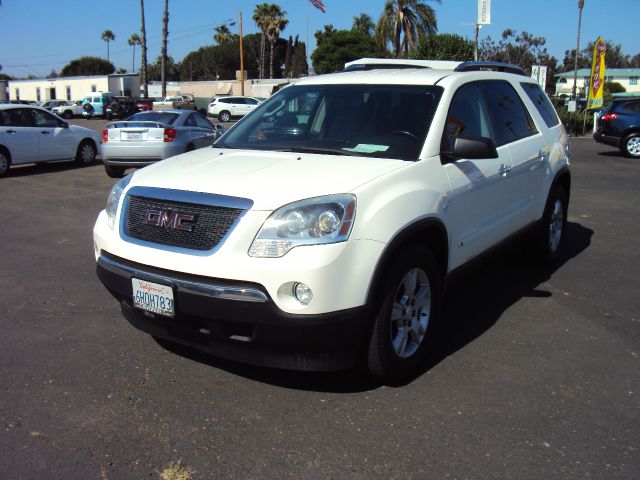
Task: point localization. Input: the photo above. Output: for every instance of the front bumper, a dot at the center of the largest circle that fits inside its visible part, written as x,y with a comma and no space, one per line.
238,320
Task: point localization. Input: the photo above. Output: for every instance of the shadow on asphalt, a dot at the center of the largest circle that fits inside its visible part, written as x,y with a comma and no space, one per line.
613,153
474,302
48,167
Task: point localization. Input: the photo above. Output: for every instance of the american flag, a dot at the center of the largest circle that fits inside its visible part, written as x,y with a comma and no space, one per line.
316,3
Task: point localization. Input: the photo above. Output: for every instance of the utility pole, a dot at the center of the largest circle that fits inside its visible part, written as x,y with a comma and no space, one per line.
575,71
475,48
241,56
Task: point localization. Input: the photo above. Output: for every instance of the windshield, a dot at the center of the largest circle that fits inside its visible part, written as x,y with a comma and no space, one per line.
160,117
389,121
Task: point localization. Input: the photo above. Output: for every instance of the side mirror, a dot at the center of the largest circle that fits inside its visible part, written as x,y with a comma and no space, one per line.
471,147
64,124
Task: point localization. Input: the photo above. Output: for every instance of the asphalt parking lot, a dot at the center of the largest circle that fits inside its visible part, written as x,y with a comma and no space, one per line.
536,374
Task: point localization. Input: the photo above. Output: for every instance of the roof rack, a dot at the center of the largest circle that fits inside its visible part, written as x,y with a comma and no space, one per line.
397,63
490,66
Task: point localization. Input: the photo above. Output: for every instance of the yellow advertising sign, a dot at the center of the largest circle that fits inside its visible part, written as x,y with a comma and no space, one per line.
596,82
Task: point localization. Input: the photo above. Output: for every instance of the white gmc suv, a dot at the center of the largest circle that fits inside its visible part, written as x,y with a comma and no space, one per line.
319,231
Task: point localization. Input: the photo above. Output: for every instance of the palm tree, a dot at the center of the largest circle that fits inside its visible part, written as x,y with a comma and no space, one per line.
260,16
276,23
143,48
108,36
575,73
403,23
134,40
163,50
223,34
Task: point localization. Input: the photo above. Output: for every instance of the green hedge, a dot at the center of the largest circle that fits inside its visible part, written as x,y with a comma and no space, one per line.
577,123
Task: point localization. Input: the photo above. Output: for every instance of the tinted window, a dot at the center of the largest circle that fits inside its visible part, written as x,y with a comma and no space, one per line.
202,122
16,117
190,121
225,100
467,117
239,101
388,121
511,118
251,101
633,107
44,119
542,103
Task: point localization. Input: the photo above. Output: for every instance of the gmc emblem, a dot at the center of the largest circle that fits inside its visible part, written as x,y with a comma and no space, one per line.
168,219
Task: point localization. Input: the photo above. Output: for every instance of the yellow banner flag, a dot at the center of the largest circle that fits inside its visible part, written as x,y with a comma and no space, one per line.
596,81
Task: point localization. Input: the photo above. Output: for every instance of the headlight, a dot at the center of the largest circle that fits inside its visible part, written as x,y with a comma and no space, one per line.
314,221
114,199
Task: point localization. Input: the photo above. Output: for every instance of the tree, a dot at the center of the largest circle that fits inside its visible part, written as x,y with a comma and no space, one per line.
163,49
403,23
288,58
364,23
108,36
260,16
87,66
276,23
635,61
121,71
614,57
341,46
143,52
134,40
171,70
523,49
299,65
270,20
223,34
444,46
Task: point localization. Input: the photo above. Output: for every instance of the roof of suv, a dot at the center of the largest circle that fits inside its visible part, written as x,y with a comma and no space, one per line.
412,72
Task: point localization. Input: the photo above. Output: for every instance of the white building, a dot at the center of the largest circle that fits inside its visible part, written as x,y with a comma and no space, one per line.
73,88
627,77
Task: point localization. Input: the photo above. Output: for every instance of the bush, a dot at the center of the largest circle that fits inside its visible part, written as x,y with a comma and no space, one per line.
577,123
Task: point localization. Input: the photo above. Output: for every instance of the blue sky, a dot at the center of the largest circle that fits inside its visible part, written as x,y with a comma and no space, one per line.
40,35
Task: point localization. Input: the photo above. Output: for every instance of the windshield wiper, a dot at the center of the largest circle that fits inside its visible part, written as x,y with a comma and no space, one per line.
321,150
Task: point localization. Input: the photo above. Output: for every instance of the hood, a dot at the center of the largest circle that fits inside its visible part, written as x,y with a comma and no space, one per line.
270,179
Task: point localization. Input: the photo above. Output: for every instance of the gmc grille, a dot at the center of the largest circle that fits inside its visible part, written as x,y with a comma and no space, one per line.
208,228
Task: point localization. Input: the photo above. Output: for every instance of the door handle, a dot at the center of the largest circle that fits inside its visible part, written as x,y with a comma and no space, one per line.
504,169
45,132
542,155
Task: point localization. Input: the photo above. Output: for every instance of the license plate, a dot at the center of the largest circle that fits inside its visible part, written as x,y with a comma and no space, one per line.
133,137
153,297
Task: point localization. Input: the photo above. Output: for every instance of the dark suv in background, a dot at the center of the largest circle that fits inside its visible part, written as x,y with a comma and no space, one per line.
619,126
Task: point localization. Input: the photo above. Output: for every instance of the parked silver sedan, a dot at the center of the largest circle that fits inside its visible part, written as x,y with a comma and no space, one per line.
148,137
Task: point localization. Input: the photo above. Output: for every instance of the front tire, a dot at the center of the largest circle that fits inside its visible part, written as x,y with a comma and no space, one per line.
631,145
224,116
86,154
67,115
114,172
5,162
408,306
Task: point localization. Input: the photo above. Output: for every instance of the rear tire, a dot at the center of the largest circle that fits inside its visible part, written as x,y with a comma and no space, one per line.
407,308
114,172
224,116
86,153
551,237
631,145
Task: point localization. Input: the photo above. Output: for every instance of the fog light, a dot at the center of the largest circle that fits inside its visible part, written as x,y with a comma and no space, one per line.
303,293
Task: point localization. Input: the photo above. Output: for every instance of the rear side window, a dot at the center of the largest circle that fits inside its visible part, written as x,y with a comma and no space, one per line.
542,103
511,117
633,107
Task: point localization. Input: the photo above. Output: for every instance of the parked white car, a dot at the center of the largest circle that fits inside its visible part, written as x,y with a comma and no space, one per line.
68,110
320,231
32,134
226,108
